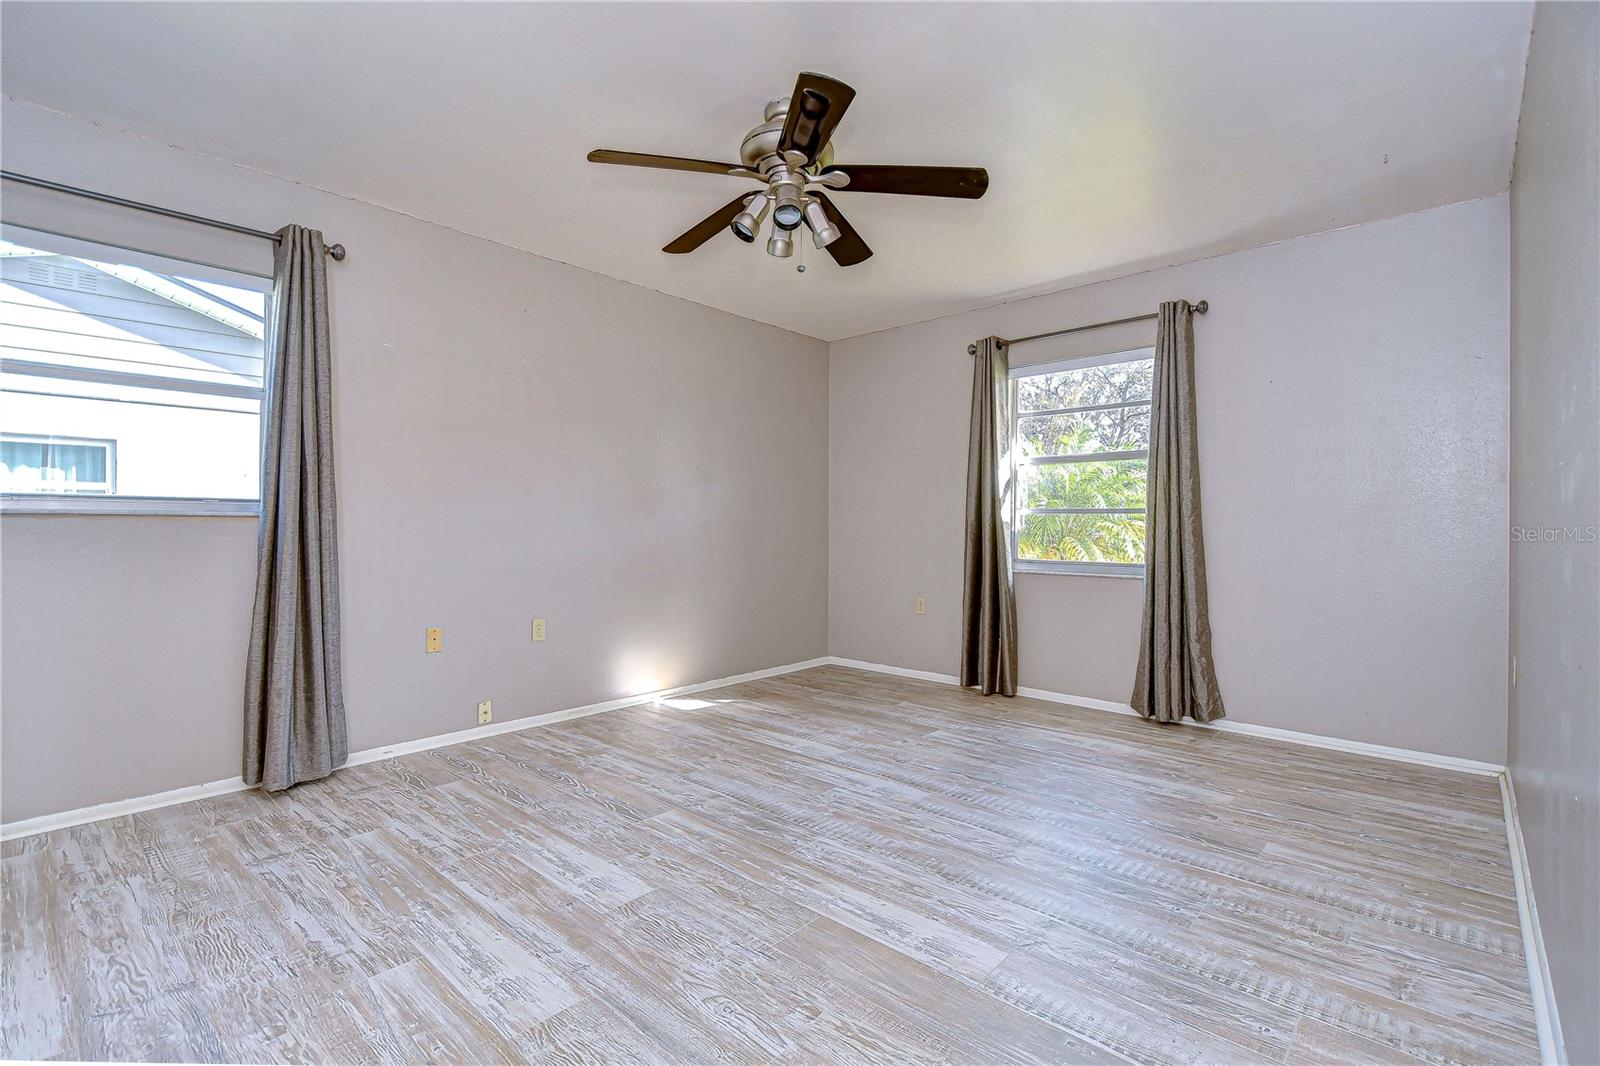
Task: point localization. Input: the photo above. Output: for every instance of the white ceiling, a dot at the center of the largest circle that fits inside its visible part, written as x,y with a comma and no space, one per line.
1118,137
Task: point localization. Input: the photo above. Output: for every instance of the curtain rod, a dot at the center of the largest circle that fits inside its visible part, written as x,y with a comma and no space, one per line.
336,251
1200,308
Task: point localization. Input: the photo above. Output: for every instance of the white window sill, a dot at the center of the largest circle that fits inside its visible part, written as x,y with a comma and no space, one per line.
40,504
1080,570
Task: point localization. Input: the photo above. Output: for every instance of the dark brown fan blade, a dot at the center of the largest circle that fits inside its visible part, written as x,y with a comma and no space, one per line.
819,102
967,183
664,162
707,228
849,249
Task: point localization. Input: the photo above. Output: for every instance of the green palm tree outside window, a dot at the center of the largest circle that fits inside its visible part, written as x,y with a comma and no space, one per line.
1082,440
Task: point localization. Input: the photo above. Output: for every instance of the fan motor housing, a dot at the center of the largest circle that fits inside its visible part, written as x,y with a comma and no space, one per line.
760,148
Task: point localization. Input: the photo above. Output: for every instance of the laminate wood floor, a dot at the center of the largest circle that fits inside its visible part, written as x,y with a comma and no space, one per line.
829,866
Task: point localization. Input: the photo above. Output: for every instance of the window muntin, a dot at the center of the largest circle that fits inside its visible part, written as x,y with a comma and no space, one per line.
156,360
1081,451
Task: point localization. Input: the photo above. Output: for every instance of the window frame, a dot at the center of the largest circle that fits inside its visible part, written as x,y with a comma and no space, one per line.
23,503
1063,566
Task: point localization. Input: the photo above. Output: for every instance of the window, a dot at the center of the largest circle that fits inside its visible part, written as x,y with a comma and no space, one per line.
1082,443
128,382
54,464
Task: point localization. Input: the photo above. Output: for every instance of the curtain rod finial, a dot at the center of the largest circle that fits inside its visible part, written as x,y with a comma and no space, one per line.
1202,307
337,252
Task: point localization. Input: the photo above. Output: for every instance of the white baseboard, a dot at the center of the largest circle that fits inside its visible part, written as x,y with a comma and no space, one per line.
117,808
461,736
898,671
1552,1049
1356,747
1288,736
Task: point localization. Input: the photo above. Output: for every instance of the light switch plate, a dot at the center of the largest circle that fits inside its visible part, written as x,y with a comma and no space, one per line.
435,639
922,605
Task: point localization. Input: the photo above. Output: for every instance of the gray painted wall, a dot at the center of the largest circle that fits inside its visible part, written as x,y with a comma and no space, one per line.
1555,484
517,438
1353,392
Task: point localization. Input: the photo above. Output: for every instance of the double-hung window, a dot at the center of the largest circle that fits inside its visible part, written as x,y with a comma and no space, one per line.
1080,448
128,382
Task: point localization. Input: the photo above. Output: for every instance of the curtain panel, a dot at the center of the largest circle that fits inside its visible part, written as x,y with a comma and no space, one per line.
988,605
1176,675
294,699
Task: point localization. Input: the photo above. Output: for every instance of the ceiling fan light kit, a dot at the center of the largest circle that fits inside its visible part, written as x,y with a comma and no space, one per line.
791,153
747,223
823,232
788,191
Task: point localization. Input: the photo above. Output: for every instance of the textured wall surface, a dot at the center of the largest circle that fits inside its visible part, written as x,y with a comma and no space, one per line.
1352,401
517,438
1555,503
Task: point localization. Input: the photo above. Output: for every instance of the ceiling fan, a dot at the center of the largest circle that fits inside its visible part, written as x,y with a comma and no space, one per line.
790,153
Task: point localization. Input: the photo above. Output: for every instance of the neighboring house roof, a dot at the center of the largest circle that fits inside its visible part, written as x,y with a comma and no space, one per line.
182,293
177,290
66,316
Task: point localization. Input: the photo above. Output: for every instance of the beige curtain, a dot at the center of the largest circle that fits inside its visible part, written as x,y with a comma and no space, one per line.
1176,675
988,609
294,702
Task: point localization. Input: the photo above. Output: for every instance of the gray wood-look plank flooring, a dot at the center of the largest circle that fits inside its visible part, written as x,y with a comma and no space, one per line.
828,866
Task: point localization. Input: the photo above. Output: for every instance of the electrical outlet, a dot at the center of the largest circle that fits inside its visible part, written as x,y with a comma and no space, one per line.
538,629
435,639
922,605
485,712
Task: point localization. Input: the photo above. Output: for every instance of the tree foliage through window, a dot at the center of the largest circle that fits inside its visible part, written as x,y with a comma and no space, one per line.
1083,437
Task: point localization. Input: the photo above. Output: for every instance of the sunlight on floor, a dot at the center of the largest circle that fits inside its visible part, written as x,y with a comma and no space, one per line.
684,703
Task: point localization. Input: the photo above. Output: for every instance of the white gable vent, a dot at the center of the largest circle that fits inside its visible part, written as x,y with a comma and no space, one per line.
64,277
